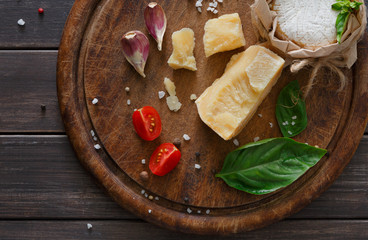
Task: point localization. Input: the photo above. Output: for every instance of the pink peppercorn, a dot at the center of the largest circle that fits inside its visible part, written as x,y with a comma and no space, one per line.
40,10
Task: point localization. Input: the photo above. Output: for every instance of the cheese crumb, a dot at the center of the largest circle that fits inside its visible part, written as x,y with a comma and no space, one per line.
173,103
170,86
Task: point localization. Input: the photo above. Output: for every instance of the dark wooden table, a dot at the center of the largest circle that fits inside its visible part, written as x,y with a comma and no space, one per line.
46,194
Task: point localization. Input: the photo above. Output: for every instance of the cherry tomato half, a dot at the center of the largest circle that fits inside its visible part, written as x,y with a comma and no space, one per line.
164,159
147,123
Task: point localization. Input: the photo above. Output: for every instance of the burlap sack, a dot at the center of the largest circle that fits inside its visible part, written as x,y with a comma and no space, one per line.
333,56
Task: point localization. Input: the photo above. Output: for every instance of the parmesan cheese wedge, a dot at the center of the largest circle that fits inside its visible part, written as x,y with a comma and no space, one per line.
223,34
229,104
308,23
183,46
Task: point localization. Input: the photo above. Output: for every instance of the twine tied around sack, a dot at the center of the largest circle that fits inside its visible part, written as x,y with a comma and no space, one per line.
334,63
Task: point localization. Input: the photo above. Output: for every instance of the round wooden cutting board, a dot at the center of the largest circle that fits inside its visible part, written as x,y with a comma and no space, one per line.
91,65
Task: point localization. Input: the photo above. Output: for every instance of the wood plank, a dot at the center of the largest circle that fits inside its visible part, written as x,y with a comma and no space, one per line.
125,229
41,178
27,81
40,31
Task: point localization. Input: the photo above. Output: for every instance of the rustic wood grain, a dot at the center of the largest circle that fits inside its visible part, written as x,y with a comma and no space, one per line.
27,81
90,50
304,229
40,31
42,178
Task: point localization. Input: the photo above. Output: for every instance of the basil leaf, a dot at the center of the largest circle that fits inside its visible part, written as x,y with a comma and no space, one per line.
345,7
341,21
337,6
268,165
291,112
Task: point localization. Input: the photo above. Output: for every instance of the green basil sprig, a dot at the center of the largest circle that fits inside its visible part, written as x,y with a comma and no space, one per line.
268,165
291,112
346,7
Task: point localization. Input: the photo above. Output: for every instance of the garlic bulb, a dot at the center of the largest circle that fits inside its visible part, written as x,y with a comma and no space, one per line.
155,19
136,49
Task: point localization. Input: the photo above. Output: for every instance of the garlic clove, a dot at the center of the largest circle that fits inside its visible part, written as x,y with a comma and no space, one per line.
155,19
136,49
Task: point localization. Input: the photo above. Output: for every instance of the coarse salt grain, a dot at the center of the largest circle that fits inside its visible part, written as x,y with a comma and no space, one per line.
127,89
198,4
189,210
215,11
92,133
199,9
294,117
149,210
186,137
157,198
208,211
220,1
21,22
199,211
97,146
95,138
271,124
260,115
143,161
293,123
146,195
209,9
197,166
256,139
94,101
142,192
128,102
236,142
161,94
290,132
89,226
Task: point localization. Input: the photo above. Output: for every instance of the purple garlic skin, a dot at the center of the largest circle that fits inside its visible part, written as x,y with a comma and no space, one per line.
155,19
136,49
